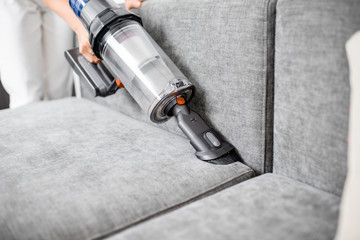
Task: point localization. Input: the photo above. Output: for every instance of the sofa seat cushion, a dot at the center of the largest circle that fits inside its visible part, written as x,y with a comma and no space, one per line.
266,207
72,169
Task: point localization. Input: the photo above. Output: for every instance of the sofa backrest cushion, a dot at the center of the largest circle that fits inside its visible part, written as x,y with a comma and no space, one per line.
312,91
226,50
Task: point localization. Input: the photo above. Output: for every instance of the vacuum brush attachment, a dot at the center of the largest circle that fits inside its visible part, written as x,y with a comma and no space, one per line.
209,146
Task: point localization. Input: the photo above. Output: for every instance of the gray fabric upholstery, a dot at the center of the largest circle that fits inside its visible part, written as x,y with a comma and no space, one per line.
226,50
312,90
268,207
72,169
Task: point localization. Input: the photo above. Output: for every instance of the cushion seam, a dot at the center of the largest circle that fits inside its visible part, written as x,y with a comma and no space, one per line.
269,46
249,174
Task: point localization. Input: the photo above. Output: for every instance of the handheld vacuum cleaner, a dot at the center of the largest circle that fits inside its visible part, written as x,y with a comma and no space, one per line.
131,58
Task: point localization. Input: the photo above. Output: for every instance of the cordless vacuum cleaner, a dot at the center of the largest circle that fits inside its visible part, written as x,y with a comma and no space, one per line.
131,58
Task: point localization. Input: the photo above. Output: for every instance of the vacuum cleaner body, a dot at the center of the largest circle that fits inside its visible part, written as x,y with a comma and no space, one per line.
132,58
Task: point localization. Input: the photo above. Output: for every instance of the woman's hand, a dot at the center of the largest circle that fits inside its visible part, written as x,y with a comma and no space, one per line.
129,4
62,8
84,45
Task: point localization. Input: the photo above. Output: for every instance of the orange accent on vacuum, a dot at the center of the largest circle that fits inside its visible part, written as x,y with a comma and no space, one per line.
180,101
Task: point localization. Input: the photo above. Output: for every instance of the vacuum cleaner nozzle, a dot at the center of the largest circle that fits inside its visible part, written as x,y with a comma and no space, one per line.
208,144
226,159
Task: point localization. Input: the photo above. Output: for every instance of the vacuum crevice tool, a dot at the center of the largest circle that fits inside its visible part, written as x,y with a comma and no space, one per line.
132,59
209,146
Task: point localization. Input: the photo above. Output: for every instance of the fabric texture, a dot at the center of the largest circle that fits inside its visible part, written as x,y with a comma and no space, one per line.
350,209
268,207
226,51
72,169
312,91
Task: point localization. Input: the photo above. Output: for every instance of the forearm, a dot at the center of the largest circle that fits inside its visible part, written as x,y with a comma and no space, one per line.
62,8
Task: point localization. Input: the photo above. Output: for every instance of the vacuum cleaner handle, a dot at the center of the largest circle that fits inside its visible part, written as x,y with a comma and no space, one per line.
98,78
208,144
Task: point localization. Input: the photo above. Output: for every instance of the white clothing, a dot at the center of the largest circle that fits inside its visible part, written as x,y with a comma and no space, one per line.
32,44
348,228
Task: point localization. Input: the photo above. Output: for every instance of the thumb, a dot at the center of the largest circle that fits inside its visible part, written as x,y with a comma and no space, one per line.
129,4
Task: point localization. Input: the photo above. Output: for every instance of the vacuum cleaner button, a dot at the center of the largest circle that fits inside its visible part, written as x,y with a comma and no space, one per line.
180,101
212,139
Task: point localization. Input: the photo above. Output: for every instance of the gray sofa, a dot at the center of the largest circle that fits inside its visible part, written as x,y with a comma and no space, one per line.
271,76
